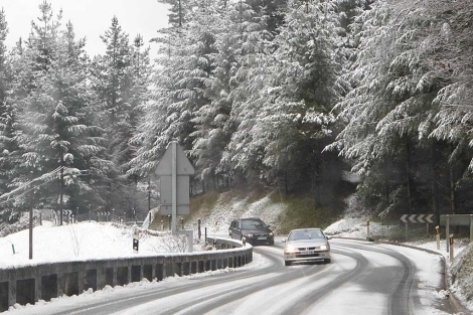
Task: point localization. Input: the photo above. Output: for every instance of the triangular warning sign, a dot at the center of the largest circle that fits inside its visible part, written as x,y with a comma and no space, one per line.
183,167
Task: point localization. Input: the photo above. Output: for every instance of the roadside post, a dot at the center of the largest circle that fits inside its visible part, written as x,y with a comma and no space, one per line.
205,235
406,232
451,241
199,233
437,236
471,228
368,230
136,236
456,220
30,234
422,218
447,231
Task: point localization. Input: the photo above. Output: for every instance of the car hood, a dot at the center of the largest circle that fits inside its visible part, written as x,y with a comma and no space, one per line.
307,243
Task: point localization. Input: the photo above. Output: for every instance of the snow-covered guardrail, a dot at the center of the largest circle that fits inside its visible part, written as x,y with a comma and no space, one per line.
29,284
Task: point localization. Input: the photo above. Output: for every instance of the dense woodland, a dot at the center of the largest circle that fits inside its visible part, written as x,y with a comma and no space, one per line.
282,94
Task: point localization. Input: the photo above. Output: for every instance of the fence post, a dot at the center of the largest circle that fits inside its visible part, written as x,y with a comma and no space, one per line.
198,229
406,231
471,227
447,231
450,240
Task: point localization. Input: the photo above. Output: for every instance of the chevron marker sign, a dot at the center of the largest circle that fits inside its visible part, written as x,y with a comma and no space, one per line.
417,218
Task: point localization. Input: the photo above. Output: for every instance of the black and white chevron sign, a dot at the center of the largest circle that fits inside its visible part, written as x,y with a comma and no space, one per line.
417,218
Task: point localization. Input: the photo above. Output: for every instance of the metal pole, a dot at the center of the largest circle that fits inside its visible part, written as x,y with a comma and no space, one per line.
31,234
450,240
198,229
149,194
447,231
61,201
406,231
174,189
437,236
471,227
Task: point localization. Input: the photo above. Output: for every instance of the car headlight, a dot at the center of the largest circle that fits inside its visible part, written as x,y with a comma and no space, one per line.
290,249
249,235
323,247
271,234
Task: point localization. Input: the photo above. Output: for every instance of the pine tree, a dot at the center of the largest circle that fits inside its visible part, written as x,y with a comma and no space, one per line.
8,148
239,43
57,137
290,111
184,66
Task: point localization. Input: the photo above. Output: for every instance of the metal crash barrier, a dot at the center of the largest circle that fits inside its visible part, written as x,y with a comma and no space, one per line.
29,284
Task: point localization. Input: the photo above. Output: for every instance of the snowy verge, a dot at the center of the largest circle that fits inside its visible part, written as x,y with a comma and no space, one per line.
79,242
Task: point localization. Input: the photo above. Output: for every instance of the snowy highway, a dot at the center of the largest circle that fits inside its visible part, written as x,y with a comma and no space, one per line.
363,278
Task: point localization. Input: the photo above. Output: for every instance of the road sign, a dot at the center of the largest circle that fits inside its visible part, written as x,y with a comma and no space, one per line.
183,166
183,170
174,170
417,218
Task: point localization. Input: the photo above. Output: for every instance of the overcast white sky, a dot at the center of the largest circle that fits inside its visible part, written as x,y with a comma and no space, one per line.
91,18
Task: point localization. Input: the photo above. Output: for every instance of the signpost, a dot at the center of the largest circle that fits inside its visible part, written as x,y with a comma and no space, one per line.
174,170
448,220
416,218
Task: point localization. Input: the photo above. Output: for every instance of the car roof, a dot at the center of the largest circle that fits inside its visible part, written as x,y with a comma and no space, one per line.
252,218
305,229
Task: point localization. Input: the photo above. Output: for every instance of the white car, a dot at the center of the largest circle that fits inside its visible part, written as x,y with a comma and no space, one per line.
306,245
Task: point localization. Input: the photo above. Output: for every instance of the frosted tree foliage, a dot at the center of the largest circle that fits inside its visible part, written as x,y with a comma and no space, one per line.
272,94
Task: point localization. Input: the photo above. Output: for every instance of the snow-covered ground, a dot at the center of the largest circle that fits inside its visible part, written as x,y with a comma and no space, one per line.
80,241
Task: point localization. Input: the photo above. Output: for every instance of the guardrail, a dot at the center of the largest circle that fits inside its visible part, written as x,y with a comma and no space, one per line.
29,284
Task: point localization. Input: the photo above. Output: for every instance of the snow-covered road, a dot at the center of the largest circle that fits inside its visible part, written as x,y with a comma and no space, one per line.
363,278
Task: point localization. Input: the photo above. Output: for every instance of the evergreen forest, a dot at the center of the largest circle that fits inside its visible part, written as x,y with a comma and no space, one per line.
319,97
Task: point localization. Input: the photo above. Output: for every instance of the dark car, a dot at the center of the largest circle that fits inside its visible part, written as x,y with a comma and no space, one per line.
251,230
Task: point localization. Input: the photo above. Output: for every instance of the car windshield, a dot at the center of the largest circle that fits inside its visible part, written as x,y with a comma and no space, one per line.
252,224
305,235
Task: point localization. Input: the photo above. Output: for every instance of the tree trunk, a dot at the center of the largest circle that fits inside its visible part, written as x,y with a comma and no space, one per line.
434,183
408,178
452,189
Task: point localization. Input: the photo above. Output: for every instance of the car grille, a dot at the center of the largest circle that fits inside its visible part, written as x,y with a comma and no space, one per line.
311,255
307,248
308,251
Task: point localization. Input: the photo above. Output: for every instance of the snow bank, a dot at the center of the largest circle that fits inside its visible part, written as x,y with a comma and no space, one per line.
80,241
